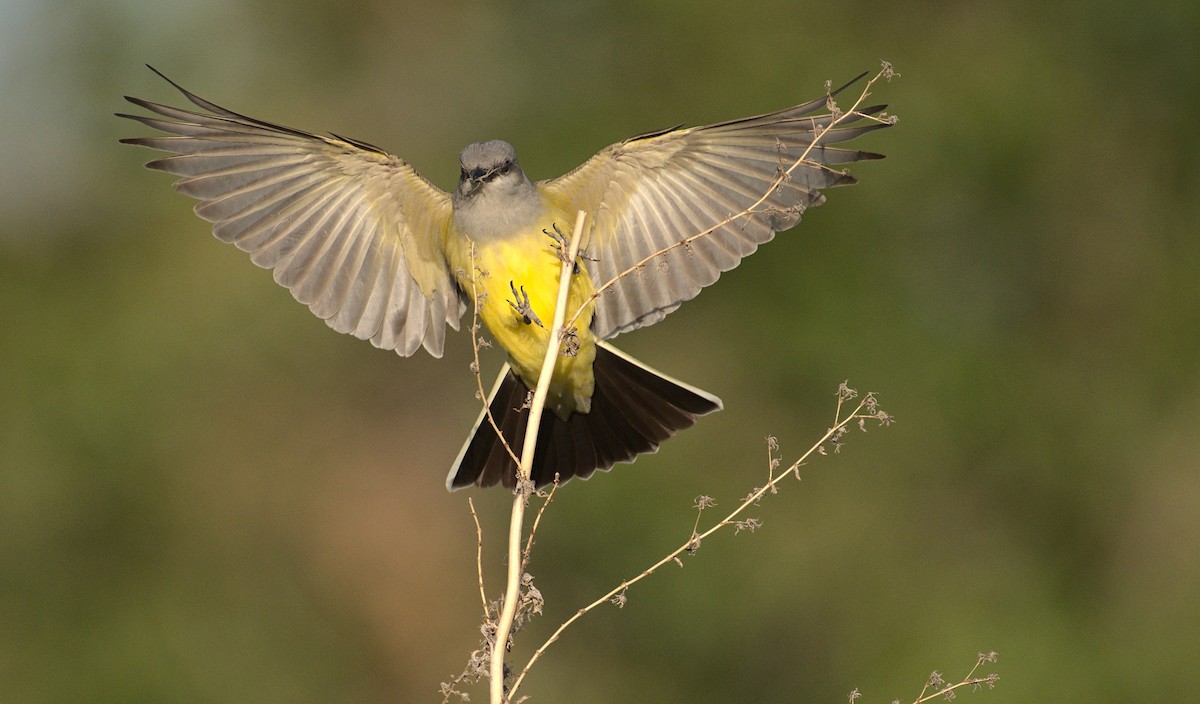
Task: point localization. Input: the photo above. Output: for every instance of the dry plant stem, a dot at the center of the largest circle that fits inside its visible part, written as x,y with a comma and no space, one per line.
515,563
750,210
479,558
969,680
537,521
695,538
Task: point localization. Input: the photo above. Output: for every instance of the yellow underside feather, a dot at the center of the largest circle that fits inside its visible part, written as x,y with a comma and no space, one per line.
529,261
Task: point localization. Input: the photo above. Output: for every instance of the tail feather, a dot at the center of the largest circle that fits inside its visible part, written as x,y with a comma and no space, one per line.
485,452
655,421
604,437
634,409
641,425
585,446
561,445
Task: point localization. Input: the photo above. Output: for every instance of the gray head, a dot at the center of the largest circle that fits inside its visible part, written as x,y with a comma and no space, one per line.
490,166
494,197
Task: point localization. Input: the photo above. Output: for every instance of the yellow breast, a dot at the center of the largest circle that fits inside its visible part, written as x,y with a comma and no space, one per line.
528,262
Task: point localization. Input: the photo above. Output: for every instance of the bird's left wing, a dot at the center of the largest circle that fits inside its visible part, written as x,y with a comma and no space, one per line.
649,193
352,231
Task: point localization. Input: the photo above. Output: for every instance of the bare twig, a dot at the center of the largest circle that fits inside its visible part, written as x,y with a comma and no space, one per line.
523,488
936,687
479,558
537,521
866,409
838,117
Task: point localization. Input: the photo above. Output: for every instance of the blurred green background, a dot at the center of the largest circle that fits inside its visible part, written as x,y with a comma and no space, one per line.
208,496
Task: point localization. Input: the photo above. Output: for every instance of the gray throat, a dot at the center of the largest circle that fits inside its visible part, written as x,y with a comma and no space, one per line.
499,209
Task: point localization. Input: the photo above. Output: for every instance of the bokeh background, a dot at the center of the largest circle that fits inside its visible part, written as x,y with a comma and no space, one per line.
208,496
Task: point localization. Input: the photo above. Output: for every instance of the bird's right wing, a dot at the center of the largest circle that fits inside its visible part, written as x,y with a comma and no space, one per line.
352,231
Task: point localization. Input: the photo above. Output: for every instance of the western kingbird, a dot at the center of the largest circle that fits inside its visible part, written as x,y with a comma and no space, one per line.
377,251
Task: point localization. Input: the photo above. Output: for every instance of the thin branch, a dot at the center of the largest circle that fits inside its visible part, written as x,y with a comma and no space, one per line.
752,209
537,520
868,402
943,690
523,487
479,558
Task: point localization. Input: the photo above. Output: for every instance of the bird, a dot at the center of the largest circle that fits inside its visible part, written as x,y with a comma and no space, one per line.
379,252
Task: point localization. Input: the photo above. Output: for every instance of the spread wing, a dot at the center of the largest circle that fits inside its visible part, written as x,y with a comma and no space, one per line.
352,231
652,191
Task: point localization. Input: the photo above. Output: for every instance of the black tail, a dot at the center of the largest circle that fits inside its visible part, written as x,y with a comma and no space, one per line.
634,408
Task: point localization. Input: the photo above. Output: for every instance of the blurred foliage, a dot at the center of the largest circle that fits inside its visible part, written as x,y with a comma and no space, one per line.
207,496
